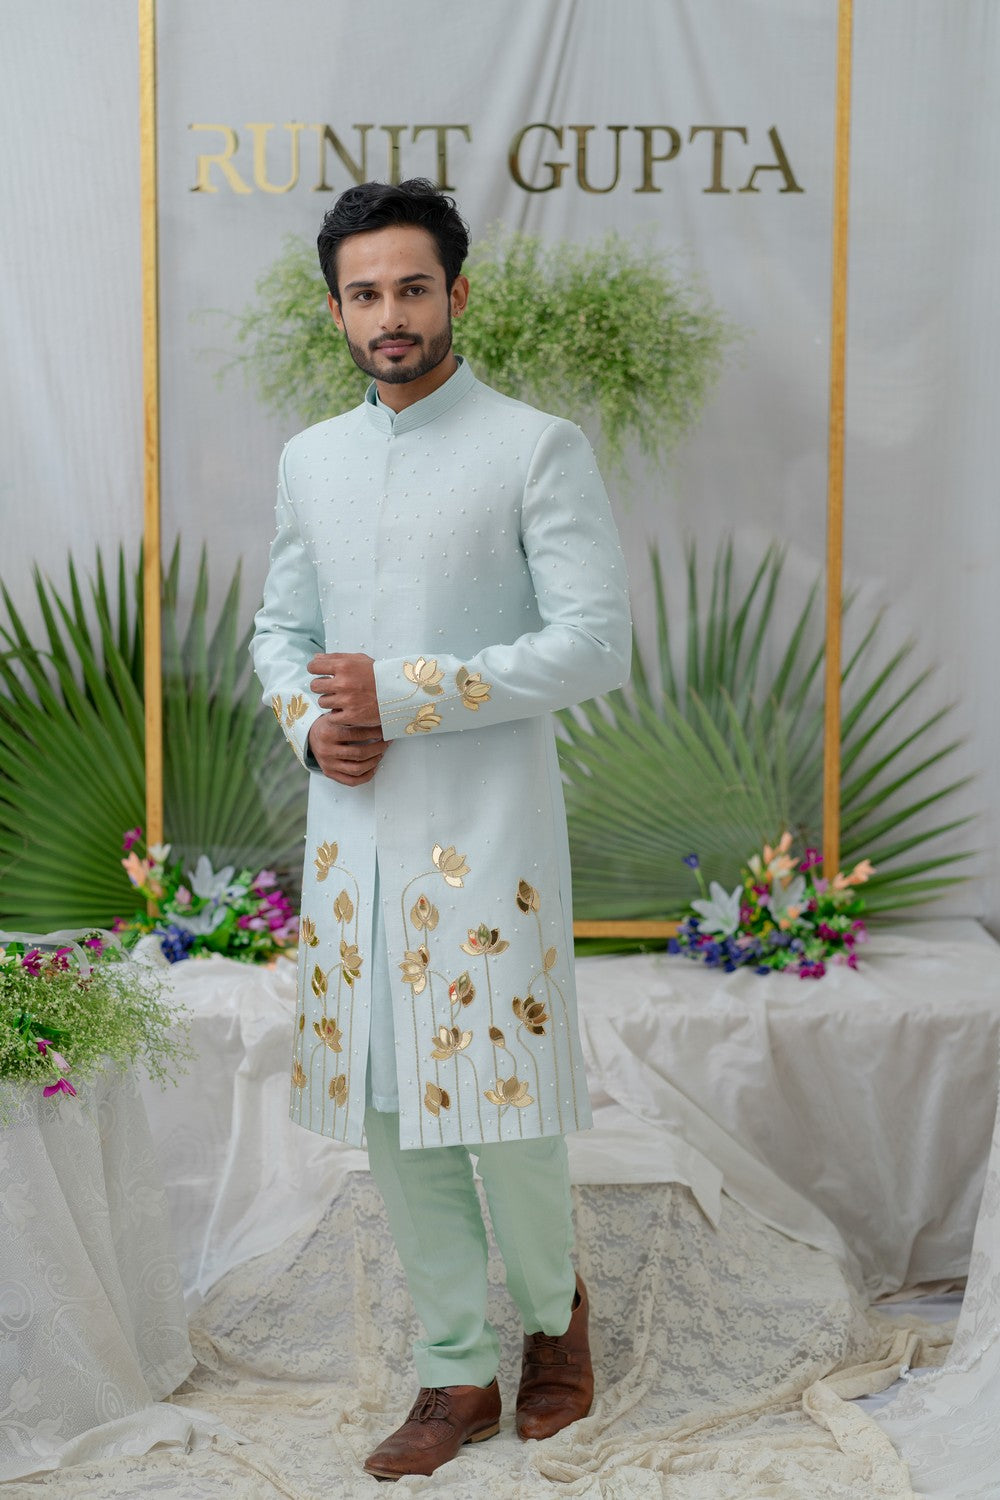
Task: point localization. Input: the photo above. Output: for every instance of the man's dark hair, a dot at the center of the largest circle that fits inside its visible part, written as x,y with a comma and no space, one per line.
379,205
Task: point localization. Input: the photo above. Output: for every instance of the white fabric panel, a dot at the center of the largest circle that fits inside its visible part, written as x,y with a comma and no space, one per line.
922,531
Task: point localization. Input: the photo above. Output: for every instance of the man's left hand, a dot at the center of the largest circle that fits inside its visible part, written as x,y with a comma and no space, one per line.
345,682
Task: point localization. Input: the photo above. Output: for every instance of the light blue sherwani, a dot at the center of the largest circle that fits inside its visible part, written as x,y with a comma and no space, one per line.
465,543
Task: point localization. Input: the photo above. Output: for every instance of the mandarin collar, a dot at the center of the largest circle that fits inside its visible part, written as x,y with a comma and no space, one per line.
443,399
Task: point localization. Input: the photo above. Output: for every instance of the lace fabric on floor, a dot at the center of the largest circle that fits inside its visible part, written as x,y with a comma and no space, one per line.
716,1352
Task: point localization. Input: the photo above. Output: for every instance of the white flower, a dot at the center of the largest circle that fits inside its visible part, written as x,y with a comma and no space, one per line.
201,923
210,884
158,853
722,913
787,901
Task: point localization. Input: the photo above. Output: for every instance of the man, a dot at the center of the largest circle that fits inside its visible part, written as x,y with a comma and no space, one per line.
445,573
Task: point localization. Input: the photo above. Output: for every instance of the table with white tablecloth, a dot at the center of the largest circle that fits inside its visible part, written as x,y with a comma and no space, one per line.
92,1327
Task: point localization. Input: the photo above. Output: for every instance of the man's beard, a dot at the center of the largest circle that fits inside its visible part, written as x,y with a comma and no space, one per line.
390,374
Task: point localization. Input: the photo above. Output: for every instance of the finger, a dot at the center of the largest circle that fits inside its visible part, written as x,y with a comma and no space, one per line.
321,684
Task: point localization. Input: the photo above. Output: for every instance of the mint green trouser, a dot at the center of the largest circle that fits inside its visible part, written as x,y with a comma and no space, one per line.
436,1222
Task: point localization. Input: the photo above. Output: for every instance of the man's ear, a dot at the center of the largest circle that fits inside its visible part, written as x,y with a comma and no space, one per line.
335,311
459,295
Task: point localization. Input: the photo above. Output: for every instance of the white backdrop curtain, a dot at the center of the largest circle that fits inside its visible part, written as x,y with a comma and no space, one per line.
923,531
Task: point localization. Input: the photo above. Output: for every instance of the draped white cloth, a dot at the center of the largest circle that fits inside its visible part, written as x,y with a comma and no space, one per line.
944,1423
92,1327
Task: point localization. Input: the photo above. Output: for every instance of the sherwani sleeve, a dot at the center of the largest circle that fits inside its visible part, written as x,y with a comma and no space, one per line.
583,647
288,630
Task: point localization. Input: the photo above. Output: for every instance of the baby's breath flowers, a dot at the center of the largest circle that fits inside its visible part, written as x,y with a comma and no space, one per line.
67,1009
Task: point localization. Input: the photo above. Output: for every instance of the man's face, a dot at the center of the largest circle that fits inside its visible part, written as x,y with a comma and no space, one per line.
395,310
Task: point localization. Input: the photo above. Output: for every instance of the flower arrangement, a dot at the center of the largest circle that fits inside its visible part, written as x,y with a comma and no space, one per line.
783,916
243,916
66,1007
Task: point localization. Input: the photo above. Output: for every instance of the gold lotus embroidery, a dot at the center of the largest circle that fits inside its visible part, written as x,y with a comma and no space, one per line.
276,707
531,1013
343,908
307,930
512,1090
326,858
436,1099
414,967
338,1089
423,915
483,940
424,674
473,690
449,1041
318,982
527,897
451,865
496,1037
424,720
350,961
462,991
329,1033
299,1079
297,706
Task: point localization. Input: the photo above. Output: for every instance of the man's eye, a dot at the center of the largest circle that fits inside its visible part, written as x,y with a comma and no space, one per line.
416,291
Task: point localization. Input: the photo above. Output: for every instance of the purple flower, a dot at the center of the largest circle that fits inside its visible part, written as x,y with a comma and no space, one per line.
692,861
811,857
60,959
46,1048
94,944
62,1087
32,961
133,837
263,881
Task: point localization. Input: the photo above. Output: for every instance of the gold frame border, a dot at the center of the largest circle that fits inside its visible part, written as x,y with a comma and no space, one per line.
152,565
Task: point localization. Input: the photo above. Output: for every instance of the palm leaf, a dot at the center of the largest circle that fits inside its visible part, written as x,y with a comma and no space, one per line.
710,752
71,746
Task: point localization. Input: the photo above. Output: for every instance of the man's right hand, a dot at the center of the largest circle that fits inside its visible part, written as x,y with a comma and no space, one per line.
348,755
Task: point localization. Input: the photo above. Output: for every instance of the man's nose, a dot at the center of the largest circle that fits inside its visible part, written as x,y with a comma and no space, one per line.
393,311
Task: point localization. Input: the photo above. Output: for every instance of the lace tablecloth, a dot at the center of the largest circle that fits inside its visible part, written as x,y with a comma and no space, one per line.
92,1325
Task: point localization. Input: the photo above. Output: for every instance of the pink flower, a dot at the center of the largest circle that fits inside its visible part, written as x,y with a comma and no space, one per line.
95,944
136,869
60,959
264,881
62,1087
182,896
119,924
48,1051
276,920
810,858
133,837
32,961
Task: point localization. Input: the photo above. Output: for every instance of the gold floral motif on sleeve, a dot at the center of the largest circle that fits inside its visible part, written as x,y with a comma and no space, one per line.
297,706
473,690
276,706
424,674
424,720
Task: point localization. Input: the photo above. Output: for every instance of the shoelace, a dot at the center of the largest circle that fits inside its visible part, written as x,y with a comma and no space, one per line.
430,1403
551,1348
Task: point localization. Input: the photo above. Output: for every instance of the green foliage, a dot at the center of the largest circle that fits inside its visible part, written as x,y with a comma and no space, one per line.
712,751
607,334
117,1011
72,739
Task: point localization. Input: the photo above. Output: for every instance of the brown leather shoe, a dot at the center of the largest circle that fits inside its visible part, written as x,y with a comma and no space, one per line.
440,1421
557,1380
